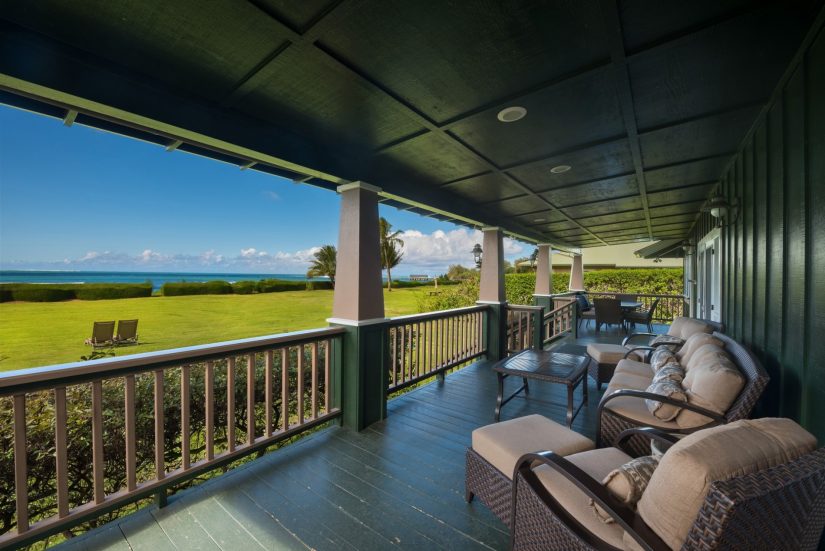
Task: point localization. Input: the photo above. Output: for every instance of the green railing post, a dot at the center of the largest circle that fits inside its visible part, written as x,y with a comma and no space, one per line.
336,374
575,317
495,330
364,374
538,329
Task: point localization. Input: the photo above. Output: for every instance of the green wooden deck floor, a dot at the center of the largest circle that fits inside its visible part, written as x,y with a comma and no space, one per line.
400,483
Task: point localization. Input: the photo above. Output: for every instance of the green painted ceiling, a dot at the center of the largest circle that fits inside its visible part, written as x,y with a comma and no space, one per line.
647,100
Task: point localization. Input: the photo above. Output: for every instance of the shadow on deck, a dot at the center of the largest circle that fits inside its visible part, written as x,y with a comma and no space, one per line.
398,483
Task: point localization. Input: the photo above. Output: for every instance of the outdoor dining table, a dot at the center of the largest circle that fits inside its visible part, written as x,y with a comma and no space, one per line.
630,305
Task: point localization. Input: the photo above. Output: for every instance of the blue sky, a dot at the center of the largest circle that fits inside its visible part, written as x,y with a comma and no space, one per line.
77,198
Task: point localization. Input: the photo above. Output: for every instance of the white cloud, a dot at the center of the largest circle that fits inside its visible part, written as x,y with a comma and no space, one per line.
271,195
423,253
434,252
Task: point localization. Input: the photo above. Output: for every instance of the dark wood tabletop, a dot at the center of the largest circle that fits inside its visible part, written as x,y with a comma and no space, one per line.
630,305
555,367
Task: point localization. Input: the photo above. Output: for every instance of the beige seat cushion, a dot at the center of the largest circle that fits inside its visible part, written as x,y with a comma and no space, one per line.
713,382
608,353
680,483
635,409
693,344
634,374
689,326
502,444
597,464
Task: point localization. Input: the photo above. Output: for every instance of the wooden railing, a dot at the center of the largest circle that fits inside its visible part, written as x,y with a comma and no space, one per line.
669,307
85,438
561,320
424,345
523,327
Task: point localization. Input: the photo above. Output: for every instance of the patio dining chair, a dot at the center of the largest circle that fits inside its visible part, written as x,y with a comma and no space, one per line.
102,334
643,316
126,332
608,312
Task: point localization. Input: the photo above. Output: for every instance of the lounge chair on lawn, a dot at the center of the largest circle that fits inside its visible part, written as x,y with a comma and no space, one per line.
126,332
102,334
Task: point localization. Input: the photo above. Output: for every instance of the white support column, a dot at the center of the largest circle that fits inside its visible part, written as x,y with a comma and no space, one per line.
359,297
544,275
491,288
576,274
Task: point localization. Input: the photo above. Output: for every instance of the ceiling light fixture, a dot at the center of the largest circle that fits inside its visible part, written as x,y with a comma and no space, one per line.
512,114
560,169
538,220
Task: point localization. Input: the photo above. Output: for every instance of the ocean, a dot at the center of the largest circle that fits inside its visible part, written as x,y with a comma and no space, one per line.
157,278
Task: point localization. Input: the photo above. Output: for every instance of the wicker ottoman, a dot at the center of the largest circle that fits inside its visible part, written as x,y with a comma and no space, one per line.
603,360
497,448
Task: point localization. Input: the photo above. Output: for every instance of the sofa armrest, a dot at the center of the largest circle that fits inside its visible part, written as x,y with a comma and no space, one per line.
632,336
645,357
653,433
594,490
627,392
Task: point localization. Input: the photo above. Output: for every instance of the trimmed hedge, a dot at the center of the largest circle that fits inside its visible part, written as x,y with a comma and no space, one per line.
176,289
319,285
54,292
280,285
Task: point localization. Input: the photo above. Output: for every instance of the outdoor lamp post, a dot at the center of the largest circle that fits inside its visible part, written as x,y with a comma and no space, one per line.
477,254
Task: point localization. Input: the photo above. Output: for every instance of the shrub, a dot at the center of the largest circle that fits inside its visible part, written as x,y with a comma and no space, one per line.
36,292
519,287
217,287
318,285
101,291
280,285
245,287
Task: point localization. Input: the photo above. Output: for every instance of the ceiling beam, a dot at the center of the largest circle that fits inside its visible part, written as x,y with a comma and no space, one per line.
69,118
625,95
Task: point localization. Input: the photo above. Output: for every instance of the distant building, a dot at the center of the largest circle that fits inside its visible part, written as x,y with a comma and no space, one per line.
614,256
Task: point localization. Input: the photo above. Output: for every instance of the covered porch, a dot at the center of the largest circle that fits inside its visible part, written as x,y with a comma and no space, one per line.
565,125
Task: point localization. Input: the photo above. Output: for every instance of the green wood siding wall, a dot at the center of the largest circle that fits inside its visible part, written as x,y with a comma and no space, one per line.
774,254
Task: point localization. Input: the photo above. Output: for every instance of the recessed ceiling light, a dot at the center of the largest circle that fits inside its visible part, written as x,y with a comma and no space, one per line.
560,169
538,220
512,114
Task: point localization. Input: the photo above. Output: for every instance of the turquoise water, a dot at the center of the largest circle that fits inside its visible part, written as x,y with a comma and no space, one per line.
157,278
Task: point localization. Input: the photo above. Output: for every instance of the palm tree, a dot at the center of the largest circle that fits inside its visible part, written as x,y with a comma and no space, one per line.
324,263
391,252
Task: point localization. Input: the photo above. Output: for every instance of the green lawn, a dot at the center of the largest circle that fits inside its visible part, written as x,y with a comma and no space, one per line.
43,333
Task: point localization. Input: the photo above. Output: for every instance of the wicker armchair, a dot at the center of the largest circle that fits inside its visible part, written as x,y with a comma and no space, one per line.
778,507
609,424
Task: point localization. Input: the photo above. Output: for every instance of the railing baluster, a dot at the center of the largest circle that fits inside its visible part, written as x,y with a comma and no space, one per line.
403,356
131,430
327,382
314,390
285,387
419,336
268,392
60,451
230,404
300,383
250,399
21,485
185,438
393,332
209,398
97,440
160,464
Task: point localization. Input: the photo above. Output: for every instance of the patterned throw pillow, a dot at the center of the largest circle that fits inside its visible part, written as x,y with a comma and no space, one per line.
661,357
627,483
671,389
670,371
667,341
